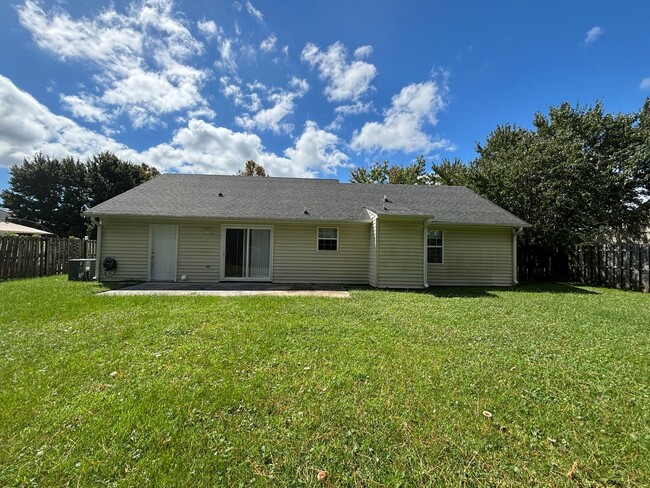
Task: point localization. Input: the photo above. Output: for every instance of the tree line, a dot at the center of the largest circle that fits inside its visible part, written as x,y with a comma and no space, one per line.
577,174
50,193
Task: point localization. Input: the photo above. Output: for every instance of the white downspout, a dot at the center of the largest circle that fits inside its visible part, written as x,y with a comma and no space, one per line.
425,274
377,251
98,251
515,233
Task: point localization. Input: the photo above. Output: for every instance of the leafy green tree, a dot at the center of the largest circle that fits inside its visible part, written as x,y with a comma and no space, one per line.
108,176
48,192
51,193
579,173
413,174
449,173
252,169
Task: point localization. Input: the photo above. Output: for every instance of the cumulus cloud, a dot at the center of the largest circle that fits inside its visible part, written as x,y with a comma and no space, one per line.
316,149
346,81
645,83
593,34
27,126
403,126
283,105
268,44
140,57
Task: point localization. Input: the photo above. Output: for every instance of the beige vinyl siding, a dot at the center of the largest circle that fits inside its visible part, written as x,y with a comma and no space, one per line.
198,251
401,253
480,256
127,241
295,258
372,263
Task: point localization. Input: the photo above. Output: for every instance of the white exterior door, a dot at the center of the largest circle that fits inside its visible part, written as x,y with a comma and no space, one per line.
164,240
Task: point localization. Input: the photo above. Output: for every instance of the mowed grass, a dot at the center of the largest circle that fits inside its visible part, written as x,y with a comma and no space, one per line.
383,389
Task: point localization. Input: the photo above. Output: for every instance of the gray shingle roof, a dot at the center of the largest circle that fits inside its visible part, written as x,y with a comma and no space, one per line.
198,196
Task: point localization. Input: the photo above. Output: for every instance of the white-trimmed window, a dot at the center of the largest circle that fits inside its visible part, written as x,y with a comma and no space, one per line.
328,239
434,246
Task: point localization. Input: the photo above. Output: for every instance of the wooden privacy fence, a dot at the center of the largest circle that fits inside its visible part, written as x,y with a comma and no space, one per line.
28,257
625,266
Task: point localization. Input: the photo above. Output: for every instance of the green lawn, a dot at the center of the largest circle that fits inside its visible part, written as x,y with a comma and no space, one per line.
383,389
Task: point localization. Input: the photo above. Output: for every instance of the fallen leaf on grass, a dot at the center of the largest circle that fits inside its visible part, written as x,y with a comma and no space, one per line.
572,472
113,374
321,475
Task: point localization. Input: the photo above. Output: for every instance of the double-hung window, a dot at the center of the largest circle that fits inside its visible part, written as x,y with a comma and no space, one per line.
434,246
328,239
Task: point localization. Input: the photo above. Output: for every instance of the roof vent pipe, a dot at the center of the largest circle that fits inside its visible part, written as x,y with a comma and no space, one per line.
220,194
305,211
385,198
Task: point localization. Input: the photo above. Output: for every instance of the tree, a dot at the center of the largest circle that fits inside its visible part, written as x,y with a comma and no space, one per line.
252,169
52,192
108,176
577,174
414,174
48,192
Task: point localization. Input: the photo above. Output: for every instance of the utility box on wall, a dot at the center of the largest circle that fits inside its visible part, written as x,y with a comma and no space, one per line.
81,269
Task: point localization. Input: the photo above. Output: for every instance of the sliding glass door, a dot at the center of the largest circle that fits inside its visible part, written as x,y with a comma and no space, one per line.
247,253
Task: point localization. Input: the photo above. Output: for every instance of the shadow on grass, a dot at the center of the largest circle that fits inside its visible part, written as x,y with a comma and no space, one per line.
491,291
115,285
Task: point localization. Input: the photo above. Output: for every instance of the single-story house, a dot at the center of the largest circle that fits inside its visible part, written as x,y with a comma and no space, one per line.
208,228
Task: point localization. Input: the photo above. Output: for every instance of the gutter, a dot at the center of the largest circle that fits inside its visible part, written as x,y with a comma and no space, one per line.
515,233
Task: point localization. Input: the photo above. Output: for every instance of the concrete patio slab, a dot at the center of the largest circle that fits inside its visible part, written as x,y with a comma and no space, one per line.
231,289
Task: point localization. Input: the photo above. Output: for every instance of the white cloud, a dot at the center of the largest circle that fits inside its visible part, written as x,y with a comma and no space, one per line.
345,81
593,34
208,28
204,148
27,126
354,108
316,149
248,101
227,54
205,112
343,111
84,107
403,126
283,105
256,14
362,52
645,83
268,44
140,57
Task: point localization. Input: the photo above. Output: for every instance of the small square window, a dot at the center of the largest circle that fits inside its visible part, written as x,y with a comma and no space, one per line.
328,238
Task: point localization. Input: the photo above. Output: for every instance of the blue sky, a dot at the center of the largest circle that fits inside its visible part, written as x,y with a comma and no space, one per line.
304,88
